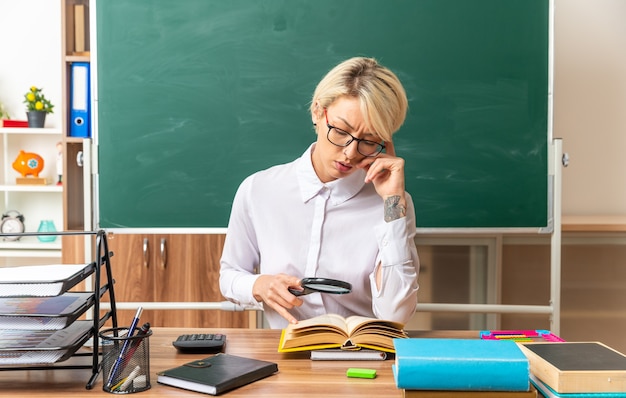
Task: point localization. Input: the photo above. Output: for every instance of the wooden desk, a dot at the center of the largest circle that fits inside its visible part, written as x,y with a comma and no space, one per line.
297,376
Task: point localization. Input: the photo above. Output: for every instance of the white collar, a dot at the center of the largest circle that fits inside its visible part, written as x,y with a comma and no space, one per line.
341,189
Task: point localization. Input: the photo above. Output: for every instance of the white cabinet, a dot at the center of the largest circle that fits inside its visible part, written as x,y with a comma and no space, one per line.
35,202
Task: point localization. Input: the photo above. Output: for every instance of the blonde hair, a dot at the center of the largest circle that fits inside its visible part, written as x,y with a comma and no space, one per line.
382,97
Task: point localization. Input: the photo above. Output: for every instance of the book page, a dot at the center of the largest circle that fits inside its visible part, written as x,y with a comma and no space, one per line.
328,329
353,323
333,320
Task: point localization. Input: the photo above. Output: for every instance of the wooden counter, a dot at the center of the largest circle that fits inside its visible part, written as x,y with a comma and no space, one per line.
605,223
298,376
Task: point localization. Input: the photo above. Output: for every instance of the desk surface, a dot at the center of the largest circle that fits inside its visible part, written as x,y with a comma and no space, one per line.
600,223
297,375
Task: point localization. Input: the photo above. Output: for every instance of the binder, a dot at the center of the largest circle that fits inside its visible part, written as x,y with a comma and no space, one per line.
80,103
79,28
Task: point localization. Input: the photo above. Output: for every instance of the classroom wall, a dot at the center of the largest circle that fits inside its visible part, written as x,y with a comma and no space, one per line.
590,103
589,88
30,55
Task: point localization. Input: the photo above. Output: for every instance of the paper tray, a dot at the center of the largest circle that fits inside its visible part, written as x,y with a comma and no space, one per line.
22,347
43,313
42,280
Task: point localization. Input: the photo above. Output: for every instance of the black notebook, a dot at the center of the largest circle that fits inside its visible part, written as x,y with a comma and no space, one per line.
217,374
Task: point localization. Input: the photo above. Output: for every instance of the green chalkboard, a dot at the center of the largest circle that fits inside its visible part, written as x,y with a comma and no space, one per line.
194,95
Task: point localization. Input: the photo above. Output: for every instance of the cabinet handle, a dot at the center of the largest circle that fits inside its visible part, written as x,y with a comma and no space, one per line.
146,253
163,253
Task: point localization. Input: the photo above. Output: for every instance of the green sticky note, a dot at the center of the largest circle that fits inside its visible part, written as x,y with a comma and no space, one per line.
361,373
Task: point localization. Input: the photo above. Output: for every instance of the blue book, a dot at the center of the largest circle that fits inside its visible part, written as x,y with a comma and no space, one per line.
460,364
548,392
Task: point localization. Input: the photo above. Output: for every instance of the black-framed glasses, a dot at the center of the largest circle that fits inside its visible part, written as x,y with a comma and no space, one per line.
339,137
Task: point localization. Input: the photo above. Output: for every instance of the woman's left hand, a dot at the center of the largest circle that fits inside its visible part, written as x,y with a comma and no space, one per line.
386,172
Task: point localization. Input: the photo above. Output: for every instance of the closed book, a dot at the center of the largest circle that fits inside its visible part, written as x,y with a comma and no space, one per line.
14,123
531,393
460,364
548,392
217,374
575,367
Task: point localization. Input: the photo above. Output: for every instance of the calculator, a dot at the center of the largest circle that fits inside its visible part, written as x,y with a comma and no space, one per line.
200,343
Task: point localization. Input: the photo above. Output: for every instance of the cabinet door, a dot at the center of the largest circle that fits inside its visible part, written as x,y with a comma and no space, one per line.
187,270
132,269
171,268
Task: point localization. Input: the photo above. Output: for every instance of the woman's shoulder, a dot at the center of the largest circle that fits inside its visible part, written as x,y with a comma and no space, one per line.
270,176
276,171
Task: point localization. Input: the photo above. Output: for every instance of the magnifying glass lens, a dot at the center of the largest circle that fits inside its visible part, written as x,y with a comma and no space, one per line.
324,288
322,285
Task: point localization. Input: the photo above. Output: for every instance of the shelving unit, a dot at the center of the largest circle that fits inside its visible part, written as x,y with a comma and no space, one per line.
34,202
46,347
77,195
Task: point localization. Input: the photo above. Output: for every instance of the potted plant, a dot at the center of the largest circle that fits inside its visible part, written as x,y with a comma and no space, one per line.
37,106
3,113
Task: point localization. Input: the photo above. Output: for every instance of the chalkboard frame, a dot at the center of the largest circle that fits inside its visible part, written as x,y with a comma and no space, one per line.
177,198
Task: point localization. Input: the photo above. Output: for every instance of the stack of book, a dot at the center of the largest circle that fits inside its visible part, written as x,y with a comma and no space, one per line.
331,337
439,368
576,369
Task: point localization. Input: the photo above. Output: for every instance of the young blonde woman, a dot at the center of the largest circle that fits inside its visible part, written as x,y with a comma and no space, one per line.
340,211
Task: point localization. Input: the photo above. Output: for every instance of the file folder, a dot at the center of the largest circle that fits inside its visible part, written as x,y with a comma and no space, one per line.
80,108
79,27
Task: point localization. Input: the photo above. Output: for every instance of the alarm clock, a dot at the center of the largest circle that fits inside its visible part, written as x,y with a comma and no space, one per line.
12,222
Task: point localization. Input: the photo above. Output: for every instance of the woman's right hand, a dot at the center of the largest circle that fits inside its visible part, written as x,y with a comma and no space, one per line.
273,291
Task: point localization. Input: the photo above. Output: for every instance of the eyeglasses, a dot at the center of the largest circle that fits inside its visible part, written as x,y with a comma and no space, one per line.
342,138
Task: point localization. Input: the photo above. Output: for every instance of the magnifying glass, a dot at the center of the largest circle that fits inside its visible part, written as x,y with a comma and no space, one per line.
321,285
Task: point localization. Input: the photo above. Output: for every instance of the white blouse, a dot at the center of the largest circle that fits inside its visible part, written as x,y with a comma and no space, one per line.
284,219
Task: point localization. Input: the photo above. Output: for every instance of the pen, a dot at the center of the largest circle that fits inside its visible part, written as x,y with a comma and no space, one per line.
120,358
135,344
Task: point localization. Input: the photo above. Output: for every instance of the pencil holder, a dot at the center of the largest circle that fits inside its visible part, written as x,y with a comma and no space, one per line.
125,361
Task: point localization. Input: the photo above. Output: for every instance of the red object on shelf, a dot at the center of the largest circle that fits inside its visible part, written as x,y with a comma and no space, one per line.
14,123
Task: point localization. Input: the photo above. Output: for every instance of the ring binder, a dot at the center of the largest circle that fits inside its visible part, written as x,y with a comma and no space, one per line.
80,125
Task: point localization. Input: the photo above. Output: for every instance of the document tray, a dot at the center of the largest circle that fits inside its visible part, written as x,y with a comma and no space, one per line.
19,347
42,280
43,313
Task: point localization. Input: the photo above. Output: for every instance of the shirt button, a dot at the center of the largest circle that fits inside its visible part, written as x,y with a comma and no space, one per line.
385,242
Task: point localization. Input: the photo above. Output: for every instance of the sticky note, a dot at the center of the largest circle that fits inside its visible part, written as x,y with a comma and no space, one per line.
361,373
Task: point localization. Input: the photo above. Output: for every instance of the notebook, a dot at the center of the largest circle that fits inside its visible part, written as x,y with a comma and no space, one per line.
217,374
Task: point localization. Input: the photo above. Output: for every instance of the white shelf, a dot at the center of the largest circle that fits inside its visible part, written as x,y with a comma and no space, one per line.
30,243
30,246
29,130
31,188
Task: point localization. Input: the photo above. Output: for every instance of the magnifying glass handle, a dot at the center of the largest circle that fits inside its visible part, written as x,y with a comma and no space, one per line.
297,292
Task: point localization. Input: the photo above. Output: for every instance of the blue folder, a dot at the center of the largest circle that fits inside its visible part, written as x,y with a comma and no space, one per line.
80,125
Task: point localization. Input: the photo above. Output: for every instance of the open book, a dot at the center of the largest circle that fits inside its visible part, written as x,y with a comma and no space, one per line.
335,331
